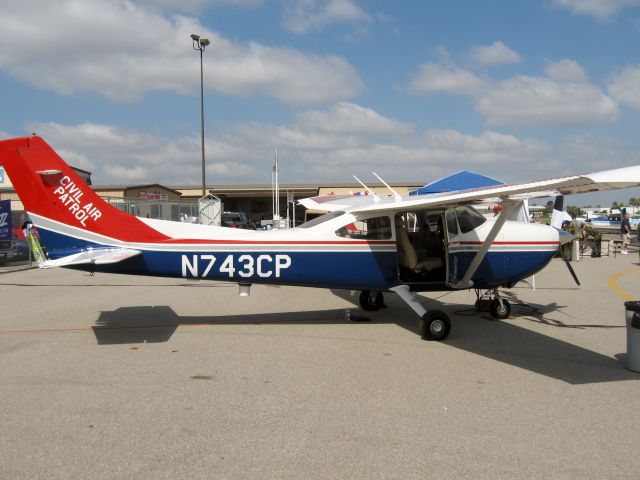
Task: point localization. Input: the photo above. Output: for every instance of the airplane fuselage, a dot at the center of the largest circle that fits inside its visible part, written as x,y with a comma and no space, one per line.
316,256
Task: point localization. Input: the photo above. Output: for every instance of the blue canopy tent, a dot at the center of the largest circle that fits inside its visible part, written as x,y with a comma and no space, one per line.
457,181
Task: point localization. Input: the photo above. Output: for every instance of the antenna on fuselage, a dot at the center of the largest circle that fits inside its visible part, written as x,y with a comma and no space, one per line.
396,195
376,198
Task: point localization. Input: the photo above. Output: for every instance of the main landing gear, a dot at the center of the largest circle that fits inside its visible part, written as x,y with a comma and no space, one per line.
433,324
492,302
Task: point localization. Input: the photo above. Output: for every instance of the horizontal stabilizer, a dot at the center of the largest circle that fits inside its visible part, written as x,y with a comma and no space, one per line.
96,257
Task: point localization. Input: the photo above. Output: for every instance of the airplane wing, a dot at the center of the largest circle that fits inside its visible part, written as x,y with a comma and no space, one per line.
97,257
592,182
331,203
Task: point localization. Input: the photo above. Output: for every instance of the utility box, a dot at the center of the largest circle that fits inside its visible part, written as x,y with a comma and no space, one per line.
210,210
632,317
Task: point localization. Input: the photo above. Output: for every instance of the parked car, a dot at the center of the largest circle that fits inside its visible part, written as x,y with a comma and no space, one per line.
6,248
235,220
16,250
20,251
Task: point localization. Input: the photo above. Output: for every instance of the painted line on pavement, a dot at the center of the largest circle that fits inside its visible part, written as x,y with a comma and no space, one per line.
613,284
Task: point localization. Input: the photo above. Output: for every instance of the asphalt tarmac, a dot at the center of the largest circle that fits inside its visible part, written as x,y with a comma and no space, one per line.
114,377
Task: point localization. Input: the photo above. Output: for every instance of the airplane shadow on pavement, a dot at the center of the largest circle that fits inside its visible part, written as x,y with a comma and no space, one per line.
502,341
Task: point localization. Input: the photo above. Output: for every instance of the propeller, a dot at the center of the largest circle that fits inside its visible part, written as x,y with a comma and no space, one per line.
568,264
558,217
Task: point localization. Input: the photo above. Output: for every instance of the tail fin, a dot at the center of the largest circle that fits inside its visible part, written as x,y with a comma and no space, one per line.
58,201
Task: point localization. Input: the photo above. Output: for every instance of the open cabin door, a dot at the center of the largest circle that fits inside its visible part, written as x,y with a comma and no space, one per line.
422,249
453,246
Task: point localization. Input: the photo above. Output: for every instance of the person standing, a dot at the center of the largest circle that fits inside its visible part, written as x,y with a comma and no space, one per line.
625,234
596,236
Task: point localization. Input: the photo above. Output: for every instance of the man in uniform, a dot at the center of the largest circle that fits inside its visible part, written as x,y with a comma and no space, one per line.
596,243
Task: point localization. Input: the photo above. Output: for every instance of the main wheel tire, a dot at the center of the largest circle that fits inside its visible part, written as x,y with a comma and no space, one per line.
369,303
498,311
434,326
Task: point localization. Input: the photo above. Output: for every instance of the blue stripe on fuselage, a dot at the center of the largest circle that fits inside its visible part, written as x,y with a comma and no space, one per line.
358,270
500,268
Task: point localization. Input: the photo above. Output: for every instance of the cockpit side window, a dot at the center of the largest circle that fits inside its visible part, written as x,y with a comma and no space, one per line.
469,218
378,228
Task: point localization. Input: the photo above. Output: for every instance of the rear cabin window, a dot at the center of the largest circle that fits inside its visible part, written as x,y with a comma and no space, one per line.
469,218
378,228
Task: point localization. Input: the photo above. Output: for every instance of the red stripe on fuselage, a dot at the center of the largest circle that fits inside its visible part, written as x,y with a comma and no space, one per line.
182,241
511,243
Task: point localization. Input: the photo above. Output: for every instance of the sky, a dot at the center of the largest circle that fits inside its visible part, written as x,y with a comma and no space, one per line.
413,90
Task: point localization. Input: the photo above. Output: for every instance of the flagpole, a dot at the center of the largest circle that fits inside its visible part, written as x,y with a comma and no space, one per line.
277,200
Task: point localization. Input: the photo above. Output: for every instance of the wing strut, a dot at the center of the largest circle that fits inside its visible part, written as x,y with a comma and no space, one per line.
507,208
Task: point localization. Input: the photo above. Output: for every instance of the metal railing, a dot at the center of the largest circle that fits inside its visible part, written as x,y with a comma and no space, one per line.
165,210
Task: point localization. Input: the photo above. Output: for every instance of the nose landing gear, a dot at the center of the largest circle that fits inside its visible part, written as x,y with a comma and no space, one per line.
371,301
491,301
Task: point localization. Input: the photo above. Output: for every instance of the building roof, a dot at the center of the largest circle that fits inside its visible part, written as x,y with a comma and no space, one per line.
457,181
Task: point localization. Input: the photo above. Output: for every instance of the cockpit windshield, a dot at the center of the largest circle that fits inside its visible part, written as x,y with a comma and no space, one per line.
321,219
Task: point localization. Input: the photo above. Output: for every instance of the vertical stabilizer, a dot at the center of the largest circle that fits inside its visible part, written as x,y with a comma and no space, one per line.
59,201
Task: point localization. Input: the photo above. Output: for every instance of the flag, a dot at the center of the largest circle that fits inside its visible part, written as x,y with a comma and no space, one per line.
275,163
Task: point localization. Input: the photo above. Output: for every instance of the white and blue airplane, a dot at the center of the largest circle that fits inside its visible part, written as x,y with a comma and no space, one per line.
366,243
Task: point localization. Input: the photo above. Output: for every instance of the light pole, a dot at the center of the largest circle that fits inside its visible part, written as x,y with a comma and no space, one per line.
200,44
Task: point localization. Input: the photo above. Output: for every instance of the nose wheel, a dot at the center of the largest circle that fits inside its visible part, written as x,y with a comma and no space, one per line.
371,301
492,302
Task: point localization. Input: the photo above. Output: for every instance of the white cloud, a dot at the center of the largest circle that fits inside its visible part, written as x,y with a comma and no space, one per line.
195,5
501,152
283,73
116,156
326,146
600,9
495,54
129,50
437,78
535,101
586,152
625,86
566,71
563,98
301,16
350,119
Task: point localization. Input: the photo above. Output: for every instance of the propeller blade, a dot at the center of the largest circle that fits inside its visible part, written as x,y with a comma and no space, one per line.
568,264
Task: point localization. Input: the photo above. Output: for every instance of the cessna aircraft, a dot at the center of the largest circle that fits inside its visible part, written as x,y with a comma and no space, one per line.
366,243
